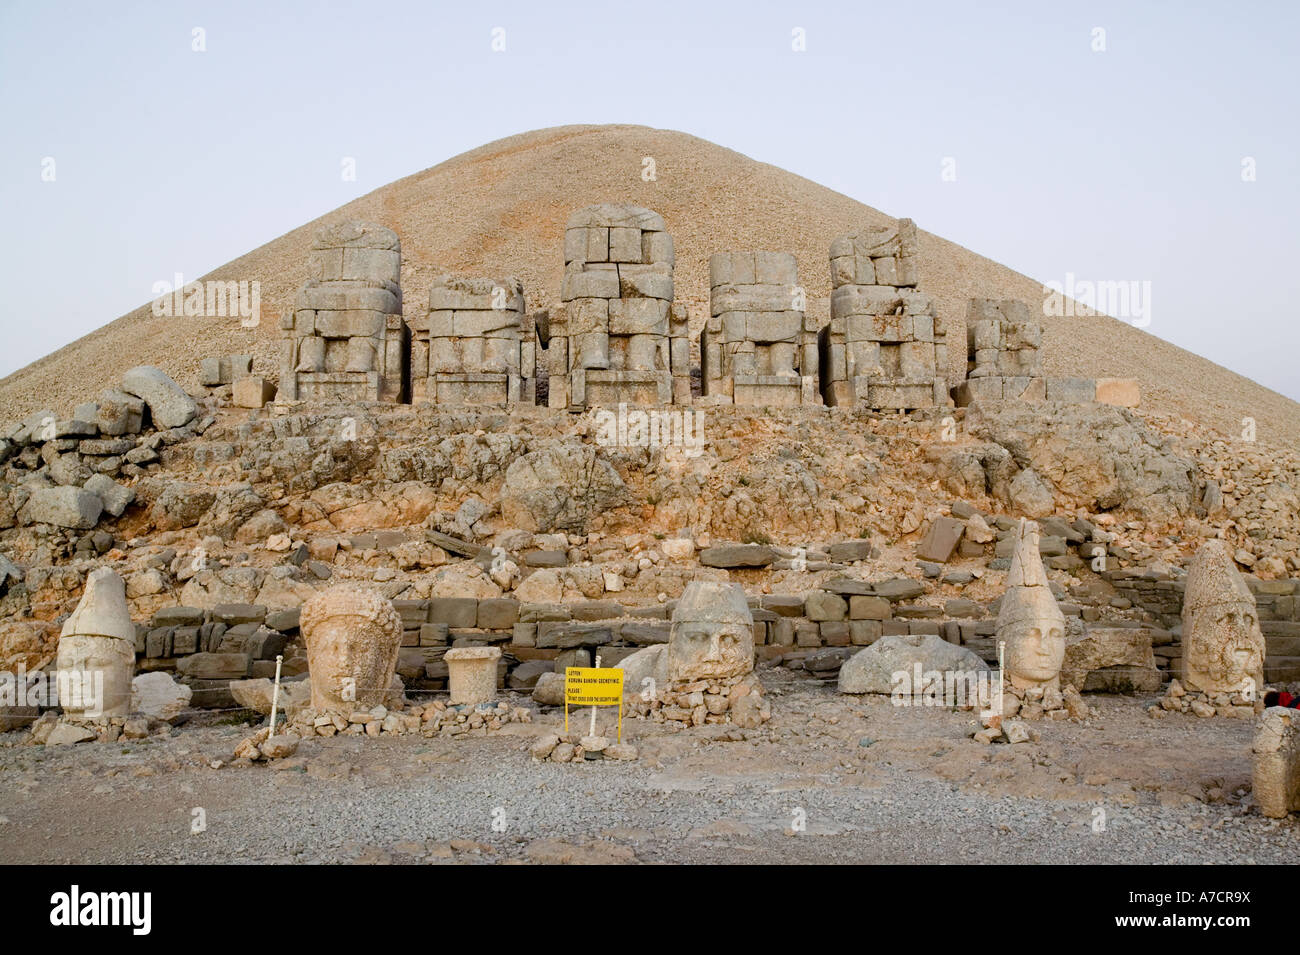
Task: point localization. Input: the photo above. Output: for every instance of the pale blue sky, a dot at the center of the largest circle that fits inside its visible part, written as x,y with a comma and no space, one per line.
1117,165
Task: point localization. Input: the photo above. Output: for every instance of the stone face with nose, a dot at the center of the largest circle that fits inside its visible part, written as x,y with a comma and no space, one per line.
1030,622
712,635
1224,646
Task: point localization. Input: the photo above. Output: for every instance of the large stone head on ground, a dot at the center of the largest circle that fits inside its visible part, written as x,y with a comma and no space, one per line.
353,636
1030,622
712,636
96,657
1221,634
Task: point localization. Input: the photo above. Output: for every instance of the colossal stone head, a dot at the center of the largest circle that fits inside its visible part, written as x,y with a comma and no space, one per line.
352,636
712,635
1029,621
1221,634
96,656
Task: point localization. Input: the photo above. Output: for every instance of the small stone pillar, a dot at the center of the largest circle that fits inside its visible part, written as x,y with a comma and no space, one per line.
1276,757
472,673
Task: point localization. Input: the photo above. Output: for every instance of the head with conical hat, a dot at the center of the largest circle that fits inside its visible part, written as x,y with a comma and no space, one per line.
1029,620
712,635
1224,644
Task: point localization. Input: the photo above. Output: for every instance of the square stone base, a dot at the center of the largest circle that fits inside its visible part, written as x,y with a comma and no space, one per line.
609,388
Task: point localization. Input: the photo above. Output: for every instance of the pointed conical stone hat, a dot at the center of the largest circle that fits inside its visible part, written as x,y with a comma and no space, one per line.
1028,596
102,611
712,602
1213,579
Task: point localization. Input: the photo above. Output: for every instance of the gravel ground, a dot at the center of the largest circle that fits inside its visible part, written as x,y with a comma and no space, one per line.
830,779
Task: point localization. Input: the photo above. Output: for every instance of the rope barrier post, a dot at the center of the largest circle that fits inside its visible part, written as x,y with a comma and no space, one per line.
593,709
275,693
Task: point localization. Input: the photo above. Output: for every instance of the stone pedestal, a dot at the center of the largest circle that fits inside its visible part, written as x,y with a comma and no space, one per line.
1276,757
472,674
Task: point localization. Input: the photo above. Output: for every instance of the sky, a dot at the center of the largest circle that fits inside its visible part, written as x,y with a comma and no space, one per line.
1148,143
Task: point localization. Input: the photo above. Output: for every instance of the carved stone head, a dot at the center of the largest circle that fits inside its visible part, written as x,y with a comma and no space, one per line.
352,636
712,635
1030,622
96,656
1221,633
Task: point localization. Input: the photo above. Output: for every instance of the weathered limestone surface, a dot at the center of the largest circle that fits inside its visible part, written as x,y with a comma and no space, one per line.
712,635
98,640
353,636
168,404
1276,757
1029,620
344,337
1120,657
873,669
884,347
1223,643
758,346
618,336
475,345
472,673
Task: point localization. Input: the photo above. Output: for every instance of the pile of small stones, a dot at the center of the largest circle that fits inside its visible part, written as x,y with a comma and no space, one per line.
1179,699
575,748
1022,706
51,729
736,700
430,719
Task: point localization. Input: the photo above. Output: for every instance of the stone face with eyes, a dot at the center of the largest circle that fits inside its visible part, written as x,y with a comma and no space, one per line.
1035,651
97,650
1221,633
712,636
1030,622
353,636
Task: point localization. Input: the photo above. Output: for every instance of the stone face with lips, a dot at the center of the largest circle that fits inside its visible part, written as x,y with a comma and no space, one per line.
1030,622
712,635
1221,633
96,658
353,636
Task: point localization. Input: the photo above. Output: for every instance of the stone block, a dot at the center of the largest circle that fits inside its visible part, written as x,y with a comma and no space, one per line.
1125,392
459,612
498,613
1071,390
820,606
252,392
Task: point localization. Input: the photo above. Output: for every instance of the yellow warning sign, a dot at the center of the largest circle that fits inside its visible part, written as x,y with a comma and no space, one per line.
591,686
